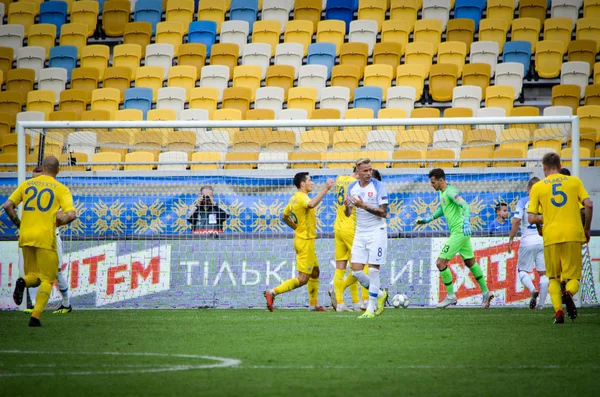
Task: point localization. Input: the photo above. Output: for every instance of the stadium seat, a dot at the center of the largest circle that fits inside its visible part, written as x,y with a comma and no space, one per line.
235,32
501,96
485,52
508,153
387,54
181,140
192,54
401,97
110,158
493,30
173,98
559,29
592,95
243,10
269,98
308,10
428,31
419,54
41,101
412,75
53,12
74,34
276,10
170,33
212,10
314,140
501,9
525,111
557,111
95,56
597,73
225,54
12,36
515,138
379,75
591,9
393,113
326,114
345,142
150,77
298,31
211,159
449,138
363,31
166,158
437,9
266,32
441,154
547,138
85,79
396,32
42,35
117,77
258,54
567,153
183,76
566,95
548,58
456,112
7,56
518,51
442,80
354,54
150,11
480,137
138,98
467,96
406,158
373,10
576,73
248,76
460,30
194,115
205,98
22,13
31,58
381,140
73,100
425,113
203,32
340,10
106,99
20,80
54,79
589,116
322,54
405,10
302,98
492,112
128,56
63,57
216,76
181,11
138,157
286,54
469,9
305,160
336,98
582,50
138,33
292,114
565,9
237,98
280,76
331,31
510,74
525,30
345,76
364,97
115,14
360,133
476,153
533,9
452,52
85,12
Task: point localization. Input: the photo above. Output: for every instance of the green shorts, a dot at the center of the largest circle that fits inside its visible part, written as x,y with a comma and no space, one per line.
458,243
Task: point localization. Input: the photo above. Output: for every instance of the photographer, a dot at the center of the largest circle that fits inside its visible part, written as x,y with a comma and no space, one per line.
207,217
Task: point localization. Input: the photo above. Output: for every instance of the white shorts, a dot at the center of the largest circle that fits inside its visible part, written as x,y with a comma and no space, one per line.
530,255
59,251
370,249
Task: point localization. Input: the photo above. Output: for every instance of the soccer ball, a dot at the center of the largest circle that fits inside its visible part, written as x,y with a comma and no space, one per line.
400,300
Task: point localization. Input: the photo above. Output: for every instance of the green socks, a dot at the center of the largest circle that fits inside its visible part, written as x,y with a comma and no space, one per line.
478,274
447,279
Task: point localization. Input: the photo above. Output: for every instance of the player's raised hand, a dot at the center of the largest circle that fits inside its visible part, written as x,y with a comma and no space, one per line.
423,221
467,227
329,184
348,202
358,202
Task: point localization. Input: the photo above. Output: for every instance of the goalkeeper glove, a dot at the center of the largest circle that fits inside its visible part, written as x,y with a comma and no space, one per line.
422,221
467,227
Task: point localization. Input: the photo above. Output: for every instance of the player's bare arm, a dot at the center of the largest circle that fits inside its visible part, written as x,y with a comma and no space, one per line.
65,218
516,223
349,205
534,219
588,210
380,211
10,209
290,222
317,199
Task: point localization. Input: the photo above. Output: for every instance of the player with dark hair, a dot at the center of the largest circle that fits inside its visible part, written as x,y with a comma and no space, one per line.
458,216
299,215
557,198
43,197
500,224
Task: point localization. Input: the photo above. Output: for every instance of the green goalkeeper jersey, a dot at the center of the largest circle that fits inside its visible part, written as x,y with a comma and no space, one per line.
454,208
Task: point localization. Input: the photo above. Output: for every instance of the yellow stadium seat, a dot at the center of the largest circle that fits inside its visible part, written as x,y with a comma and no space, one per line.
425,113
154,138
106,99
268,32
480,137
408,156
442,80
139,157
248,76
183,76
392,113
12,102
20,80
453,52
170,33
503,10
63,115
111,158
151,77
461,30
237,98
232,157
533,9
589,117
589,29
306,160
22,13
458,112
345,142
6,123
547,138
298,31
526,29
280,76
204,98
566,95
244,141
516,138
213,160
525,111
419,54
379,76
414,139
74,34
225,54
117,77
192,54
42,35
138,33
302,98
96,115
596,72
332,31
181,140
314,140
359,133
430,31
387,54
405,10
128,56
592,95
583,51
345,76
412,76
41,101
180,11
85,79
263,133
493,30
227,114
568,153
326,114
308,10
591,8
500,96
115,15
95,56
7,56
73,100
587,139
479,153
548,58
128,115
558,29
373,10
355,54
212,10
85,12
441,154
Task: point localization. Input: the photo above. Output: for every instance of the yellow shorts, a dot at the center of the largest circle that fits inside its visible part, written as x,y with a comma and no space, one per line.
563,260
343,245
306,255
40,262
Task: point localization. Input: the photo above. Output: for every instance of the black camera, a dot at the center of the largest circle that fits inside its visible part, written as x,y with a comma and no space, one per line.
205,200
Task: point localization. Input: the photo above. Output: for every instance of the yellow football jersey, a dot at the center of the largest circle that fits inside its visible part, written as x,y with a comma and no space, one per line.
303,216
42,197
559,197
343,223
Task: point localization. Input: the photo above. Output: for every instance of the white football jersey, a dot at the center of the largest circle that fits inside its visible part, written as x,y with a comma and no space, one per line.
374,195
529,233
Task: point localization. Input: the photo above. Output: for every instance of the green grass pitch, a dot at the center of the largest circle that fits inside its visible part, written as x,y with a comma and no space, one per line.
452,352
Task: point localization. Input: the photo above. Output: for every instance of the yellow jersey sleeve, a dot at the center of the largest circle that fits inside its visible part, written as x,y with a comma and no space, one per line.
583,194
534,200
65,199
343,223
17,196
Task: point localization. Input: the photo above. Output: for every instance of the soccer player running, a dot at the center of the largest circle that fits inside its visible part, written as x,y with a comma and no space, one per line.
558,196
42,197
299,214
531,251
369,248
458,216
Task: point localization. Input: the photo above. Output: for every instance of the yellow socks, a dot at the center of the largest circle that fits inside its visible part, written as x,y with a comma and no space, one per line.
31,281
555,294
287,285
338,285
41,299
313,291
572,286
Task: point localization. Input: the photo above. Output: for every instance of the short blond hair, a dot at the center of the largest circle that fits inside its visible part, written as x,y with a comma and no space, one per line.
362,160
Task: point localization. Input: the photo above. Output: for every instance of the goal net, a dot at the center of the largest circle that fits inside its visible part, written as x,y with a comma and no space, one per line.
187,214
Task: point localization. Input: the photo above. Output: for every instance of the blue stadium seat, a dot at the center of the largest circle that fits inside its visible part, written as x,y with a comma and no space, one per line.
64,56
341,10
148,11
368,97
469,9
138,98
204,32
244,10
322,54
53,12
518,51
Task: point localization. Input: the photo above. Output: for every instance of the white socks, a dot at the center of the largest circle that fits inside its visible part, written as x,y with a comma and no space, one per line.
544,282
63,287
362,278
526,281
373,289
